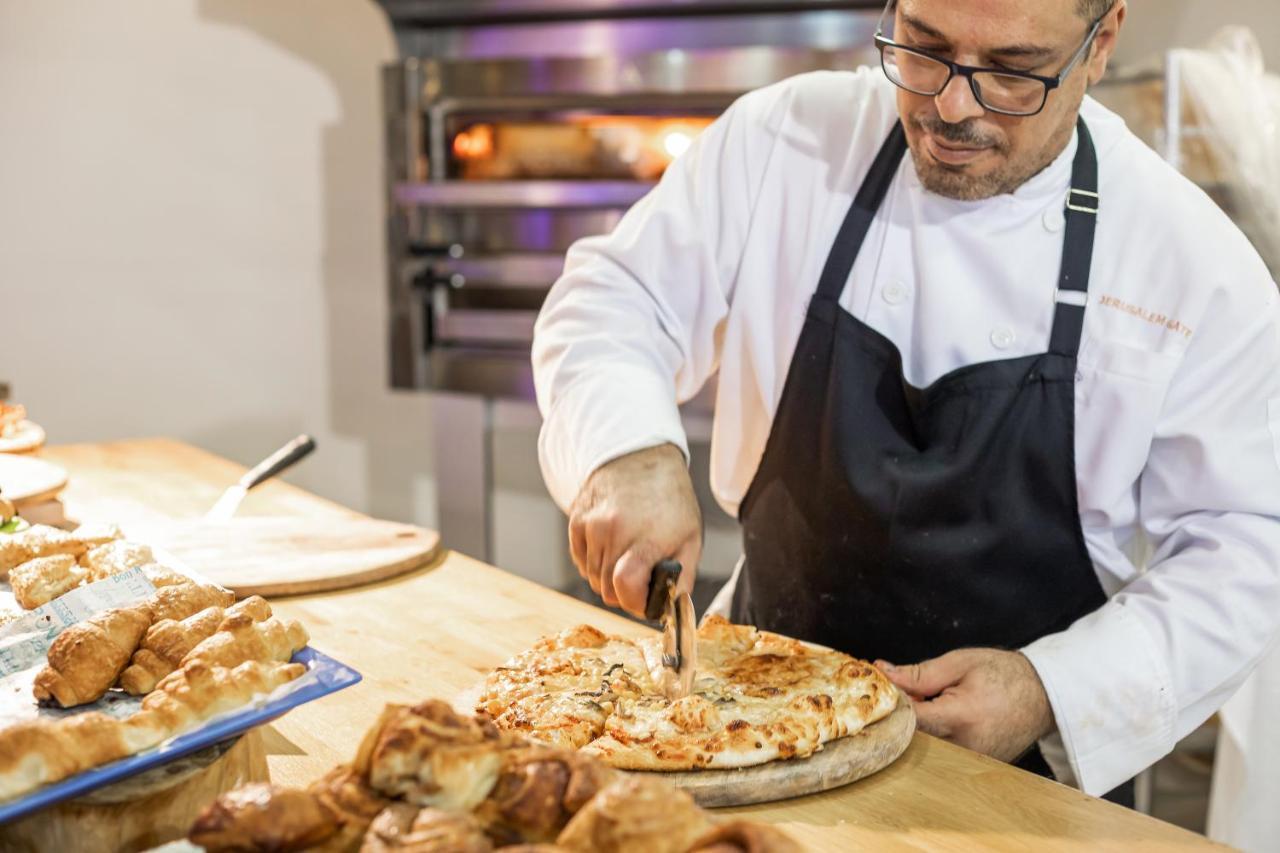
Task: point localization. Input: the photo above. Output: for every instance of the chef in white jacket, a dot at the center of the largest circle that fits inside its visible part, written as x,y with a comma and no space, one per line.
998,399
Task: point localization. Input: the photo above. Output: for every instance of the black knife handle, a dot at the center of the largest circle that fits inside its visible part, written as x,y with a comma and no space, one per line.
278,461
665,574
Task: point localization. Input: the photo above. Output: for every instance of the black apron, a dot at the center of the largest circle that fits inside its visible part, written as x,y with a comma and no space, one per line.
896,522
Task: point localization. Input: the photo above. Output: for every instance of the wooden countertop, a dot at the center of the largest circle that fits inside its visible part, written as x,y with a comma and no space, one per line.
435,632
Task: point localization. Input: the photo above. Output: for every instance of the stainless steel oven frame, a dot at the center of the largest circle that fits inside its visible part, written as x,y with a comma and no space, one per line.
453,243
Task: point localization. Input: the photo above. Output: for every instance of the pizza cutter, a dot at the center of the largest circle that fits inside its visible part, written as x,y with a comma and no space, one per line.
674,609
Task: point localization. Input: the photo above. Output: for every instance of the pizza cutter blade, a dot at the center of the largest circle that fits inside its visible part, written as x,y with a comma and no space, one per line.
674,609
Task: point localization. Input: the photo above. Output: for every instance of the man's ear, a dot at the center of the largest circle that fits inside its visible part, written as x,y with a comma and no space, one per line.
1104,43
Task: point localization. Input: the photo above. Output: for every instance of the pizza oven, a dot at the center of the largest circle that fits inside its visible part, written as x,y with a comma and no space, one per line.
515,128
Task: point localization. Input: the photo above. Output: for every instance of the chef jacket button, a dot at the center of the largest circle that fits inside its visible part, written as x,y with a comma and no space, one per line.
1054,219
1002,337
895,293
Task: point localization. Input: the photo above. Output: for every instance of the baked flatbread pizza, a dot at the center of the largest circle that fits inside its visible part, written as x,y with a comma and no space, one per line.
757,697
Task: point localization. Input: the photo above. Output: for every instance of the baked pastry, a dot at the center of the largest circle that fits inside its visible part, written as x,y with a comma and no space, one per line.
92,535
38,752
179,601
260,816
538,790
42,579
38,540
350,796
86,658
188,696
430,755
543,800
636,815
116,556
164,576
168,641
240,638
402,827
741,836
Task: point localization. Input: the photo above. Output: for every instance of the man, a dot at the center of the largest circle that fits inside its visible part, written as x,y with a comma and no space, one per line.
1002,415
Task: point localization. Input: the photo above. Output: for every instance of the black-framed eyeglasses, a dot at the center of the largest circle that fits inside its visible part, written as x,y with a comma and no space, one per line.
1011,93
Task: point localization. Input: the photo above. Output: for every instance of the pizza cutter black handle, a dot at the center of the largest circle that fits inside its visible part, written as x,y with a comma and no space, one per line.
283,458
664,577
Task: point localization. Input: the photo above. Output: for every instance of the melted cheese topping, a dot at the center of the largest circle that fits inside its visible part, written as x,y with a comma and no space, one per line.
757,697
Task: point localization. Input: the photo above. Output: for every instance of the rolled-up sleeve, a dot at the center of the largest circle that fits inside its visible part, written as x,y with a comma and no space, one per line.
631,329
1168,649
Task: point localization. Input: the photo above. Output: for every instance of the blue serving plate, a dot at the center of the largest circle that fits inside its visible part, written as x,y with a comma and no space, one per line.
324,676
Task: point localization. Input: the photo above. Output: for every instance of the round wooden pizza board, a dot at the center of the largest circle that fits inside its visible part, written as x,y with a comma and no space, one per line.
838,763
270,556
27,437
26,480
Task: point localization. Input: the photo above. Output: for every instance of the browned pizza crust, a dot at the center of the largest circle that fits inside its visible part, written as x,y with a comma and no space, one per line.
758,697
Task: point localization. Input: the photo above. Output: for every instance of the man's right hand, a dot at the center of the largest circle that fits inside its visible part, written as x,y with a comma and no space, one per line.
630,514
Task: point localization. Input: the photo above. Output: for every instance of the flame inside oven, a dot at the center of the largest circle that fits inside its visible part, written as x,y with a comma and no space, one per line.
577,147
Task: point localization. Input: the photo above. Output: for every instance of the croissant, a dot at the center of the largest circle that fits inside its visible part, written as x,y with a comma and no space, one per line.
39,581
636,813
406,828
331,814
186,697
239,638
167,642
538,790
86,658
179,601
260,816
740,836
349,795
37,752
430,755
115,557
163,576
38,540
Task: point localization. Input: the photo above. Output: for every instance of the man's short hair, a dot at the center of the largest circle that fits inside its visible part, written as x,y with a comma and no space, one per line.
1092,10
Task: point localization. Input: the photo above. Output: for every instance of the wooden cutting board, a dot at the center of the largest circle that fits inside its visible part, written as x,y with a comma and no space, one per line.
26,480
285,556
839,763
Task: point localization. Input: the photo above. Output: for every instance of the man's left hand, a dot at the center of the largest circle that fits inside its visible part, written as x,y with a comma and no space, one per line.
986,700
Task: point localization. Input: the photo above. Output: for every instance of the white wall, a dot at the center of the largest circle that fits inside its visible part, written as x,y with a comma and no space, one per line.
191,240
192,244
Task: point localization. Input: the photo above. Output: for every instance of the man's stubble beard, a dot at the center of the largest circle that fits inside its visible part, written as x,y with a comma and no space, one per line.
954,183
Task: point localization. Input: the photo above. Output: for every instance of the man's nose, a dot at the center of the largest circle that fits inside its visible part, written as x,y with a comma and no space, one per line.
956,102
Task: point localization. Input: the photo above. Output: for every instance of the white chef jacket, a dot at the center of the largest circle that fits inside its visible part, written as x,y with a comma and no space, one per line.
1177,426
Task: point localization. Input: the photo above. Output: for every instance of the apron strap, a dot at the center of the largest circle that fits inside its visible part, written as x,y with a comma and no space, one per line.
1077,248
1077,245
835,273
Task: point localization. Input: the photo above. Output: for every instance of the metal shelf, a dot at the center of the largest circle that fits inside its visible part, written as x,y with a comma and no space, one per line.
538,270
521,194
436,13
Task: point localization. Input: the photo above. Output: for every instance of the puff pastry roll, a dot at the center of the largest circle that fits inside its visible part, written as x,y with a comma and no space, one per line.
39,581
86,658
168,641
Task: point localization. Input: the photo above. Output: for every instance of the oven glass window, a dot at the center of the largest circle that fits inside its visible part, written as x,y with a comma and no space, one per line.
594,147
